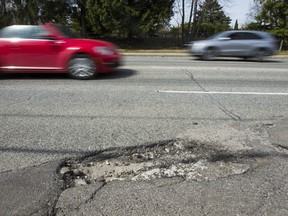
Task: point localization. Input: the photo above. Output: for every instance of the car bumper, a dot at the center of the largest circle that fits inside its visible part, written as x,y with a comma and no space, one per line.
196,51
109,64
113,64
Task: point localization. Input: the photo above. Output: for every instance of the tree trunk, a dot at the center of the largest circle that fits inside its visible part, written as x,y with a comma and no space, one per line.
183,21
83,21
190,17
194,19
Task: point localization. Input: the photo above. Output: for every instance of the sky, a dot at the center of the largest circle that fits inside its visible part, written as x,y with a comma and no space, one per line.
238,9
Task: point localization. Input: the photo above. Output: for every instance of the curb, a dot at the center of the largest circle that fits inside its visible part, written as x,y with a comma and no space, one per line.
157,54
184,54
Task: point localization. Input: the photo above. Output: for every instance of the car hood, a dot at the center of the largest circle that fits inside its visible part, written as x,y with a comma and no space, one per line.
201,41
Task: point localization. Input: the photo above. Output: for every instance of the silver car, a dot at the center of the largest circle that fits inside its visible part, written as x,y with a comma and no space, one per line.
243,44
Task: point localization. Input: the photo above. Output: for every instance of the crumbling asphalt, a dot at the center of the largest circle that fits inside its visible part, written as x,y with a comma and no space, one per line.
229,169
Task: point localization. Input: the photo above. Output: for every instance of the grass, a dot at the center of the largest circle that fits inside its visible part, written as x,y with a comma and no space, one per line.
283,53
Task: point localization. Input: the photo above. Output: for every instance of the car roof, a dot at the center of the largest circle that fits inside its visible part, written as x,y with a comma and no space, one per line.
245,31
260,33
18,26
26,25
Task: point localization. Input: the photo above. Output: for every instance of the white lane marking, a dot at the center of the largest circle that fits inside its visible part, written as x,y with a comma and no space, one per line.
231,93
259,69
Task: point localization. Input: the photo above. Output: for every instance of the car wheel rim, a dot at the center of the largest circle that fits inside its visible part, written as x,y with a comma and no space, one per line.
210,55
260,55
82,68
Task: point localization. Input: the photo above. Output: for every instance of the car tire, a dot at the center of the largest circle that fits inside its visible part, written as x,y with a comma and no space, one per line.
210,54
82,67
261,54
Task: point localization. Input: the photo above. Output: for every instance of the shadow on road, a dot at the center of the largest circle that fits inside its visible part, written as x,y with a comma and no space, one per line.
32,76
120,73
45,151
239,60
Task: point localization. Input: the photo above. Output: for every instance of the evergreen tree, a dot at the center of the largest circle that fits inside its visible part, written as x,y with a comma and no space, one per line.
121,17
210,19
236,25
130,18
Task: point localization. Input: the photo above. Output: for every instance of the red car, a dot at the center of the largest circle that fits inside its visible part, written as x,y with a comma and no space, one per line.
53,48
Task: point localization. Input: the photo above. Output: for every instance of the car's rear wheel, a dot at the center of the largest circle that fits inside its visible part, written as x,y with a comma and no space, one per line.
261,54
210,54
82,67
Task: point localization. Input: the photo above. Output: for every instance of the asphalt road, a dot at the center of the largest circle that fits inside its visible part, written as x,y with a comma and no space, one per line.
47,117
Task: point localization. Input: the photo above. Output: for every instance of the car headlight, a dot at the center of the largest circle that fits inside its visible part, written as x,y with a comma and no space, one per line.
104,50
199,45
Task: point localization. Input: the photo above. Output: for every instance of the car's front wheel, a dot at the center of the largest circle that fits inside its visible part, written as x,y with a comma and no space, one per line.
210,54
82,67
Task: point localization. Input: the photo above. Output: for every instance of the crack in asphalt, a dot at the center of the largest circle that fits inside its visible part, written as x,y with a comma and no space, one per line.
93,194
220,106
16,102
281,146
228,112
182,179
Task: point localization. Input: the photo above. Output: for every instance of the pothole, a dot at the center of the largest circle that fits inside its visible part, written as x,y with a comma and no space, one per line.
174,158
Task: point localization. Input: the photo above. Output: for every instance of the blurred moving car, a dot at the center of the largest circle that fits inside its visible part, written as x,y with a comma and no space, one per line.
243,44
53,48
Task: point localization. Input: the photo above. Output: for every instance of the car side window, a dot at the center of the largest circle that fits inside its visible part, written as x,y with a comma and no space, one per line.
10,32
251,36
25,32
236,36
244,36
37,32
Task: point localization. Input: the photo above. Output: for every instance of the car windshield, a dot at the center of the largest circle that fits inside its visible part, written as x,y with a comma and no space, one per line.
66,31
214,36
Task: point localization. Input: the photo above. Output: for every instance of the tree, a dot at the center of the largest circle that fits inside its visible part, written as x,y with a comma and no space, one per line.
6,15
272,16
183,21
195,10
181,7
155,15
210,19
236,25
189,29
33,11
121,17
130,18
57,11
